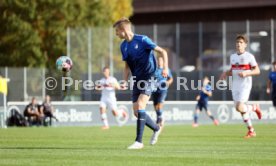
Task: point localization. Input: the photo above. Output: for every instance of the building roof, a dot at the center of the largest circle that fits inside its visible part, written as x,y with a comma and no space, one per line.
169,11
155,6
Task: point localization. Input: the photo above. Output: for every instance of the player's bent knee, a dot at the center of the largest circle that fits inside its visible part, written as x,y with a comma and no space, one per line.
115,113
239,108
158,106
141,106
135,106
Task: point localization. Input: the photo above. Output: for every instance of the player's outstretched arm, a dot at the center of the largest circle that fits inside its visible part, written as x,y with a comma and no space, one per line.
164,54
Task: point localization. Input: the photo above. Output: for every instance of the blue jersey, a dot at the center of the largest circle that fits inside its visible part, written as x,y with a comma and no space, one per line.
160,79
138,54
272,78
204,97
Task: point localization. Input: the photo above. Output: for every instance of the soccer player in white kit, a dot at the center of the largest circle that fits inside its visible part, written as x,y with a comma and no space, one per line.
108,85
243,67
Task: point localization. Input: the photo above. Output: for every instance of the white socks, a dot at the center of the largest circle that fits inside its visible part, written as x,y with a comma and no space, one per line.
246,116
104,119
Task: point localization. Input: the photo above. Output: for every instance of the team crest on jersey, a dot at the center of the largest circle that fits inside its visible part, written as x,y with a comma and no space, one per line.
237,64
136,46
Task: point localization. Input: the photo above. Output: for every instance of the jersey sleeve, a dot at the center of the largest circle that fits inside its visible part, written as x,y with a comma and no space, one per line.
208,88
253,62
148,43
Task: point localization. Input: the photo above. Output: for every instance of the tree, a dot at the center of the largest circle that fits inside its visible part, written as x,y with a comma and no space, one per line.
33,33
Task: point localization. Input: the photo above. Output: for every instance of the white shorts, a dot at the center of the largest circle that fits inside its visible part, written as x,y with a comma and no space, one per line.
111,103
241,95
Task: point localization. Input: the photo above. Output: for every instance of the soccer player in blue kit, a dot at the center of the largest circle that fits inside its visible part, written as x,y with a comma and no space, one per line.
202,102
271,83
159,96
137,52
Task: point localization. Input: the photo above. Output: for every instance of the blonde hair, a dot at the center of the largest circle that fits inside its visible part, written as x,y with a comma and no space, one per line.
121,21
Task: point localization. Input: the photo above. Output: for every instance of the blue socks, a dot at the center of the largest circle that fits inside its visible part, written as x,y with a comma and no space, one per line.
142,120
151,124
195,117
158,116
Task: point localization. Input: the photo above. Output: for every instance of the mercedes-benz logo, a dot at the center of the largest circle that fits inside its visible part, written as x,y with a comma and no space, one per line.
223,113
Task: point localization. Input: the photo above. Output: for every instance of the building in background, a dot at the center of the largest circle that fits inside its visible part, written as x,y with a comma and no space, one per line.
205,29
200,35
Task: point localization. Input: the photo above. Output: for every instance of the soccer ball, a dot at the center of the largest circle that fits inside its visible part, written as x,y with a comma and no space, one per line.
64,63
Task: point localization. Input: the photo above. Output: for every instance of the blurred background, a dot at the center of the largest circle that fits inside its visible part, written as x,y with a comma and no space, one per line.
198,35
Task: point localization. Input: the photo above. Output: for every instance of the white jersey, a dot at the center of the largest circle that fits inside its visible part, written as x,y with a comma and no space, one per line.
107,85
241,86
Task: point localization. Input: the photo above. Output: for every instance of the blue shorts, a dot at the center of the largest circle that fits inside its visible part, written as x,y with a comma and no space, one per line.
146,87
159,96
200,106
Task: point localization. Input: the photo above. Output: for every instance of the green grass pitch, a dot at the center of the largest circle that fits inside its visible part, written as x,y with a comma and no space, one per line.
177,145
